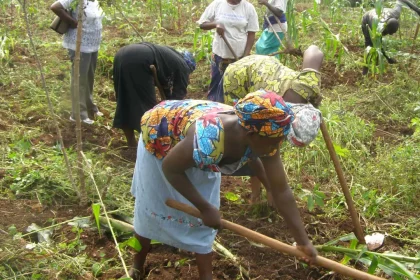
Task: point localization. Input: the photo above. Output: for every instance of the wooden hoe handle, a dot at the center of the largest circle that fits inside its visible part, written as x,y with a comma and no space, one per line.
277,245
230,47
158,85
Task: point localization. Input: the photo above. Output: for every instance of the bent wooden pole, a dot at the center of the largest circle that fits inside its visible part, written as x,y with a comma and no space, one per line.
275,33
349,200
230,47
277,245
158,85
286,35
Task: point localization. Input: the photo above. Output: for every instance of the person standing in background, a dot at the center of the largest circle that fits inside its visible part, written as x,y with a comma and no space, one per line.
268,42
91,39
237,20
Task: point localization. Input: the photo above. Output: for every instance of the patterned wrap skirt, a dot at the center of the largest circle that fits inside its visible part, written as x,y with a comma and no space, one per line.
154,220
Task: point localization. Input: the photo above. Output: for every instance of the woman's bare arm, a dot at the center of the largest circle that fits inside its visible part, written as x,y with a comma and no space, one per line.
174,165
249,43
59,10
286,204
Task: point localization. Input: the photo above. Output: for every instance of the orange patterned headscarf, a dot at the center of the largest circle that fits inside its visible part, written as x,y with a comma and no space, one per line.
266,113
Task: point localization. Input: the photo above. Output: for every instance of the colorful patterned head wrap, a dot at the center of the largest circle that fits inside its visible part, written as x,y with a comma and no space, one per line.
264,112
189,59
305,126
308,85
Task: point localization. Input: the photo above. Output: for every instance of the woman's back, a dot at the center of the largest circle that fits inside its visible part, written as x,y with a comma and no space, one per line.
168,122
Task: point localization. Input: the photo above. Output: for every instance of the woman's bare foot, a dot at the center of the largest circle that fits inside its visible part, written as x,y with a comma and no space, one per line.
136,274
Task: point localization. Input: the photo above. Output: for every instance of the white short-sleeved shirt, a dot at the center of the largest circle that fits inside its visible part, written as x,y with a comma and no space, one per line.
282,5
238,20
92,27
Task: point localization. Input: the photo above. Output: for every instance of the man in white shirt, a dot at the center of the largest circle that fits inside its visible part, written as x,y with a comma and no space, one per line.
238,21
268,42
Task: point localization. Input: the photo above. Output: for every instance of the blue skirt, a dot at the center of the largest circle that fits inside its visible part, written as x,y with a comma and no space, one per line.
154,220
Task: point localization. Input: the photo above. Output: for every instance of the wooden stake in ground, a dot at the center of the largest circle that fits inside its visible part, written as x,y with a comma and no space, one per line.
277,245
349,200
76,100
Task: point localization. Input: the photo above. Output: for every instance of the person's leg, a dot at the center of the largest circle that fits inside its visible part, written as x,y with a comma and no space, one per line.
137,272
216,77
131,139
255,189
83,83
134,88
204,264
368,42
71,55
90,105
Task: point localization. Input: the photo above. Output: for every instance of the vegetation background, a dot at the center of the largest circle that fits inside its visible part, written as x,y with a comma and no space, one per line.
374,122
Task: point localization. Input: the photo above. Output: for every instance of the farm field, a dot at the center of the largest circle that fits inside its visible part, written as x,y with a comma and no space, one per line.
373,120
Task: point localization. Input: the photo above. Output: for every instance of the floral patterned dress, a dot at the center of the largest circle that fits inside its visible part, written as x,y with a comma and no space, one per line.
257,72
167,124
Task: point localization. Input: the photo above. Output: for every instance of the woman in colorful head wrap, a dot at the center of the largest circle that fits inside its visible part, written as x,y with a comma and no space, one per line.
185,146
134,83
264,72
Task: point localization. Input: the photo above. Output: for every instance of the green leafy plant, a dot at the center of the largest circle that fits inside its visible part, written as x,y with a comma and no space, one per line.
314,198
394,265
96,209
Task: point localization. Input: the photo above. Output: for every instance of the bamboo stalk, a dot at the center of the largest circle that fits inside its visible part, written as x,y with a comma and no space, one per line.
356,251
277,245
76,100
349,200
117,224
228,254
47,94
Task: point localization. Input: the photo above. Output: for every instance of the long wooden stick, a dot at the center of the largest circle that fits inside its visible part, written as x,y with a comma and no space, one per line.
349,200
277,245
229,46
76,100
275,33
286,35
157,83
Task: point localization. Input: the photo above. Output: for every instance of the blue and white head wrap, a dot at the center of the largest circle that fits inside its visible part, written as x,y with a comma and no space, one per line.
189,59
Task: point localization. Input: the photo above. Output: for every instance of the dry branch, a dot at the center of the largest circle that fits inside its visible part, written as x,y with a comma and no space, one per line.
76,100
47,94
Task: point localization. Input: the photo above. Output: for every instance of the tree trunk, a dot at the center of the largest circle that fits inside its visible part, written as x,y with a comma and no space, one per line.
76,100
